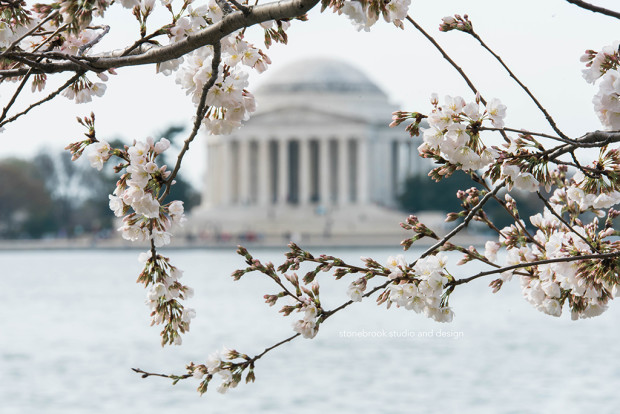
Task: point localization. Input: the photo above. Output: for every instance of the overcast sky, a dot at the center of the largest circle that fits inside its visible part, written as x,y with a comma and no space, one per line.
541,41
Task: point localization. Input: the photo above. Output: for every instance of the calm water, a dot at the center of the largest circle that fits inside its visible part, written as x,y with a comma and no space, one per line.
73,324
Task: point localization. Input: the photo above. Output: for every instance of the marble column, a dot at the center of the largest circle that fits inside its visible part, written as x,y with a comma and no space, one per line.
264,188
283,171
304,172
343,176
324,177
244,172
225,162
362,171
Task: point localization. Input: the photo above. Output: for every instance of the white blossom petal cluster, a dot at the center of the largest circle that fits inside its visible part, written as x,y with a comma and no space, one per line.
607,100
229,101
424,293
355,291
163,296
364,15
603,66
448,134
307,326
217,364
576,194
597,63
136,191
83,90
522,180
135,198
586,287
9,33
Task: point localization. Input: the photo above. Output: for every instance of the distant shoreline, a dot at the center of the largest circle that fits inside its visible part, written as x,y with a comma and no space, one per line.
90,243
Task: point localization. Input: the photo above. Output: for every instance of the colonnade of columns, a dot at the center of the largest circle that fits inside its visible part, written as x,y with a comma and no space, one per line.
321,171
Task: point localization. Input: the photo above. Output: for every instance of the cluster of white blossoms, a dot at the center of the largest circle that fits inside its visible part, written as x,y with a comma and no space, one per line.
585,286
607,100
364,16
83,90
521,180
585,200
448,135
424,293
216,364
135,198
307,326
356,290
603,65
139,189
163,297
229,101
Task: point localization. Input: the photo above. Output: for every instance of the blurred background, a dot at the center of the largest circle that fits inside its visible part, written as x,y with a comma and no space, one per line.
74,323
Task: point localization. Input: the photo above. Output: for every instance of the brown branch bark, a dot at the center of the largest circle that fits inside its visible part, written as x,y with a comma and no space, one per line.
148,54
595,9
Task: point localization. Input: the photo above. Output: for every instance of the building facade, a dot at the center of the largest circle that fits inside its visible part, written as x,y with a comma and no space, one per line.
316,159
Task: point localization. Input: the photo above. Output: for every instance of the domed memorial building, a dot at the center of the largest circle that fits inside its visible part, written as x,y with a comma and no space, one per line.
317,159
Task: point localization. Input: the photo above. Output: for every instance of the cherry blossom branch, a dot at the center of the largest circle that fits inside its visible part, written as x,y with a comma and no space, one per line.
21,85
200,114
152,374
515,217
595,9
466,221
47,98
272,347
521,131
550,120
533,264
156,54
454,65
447,57
559,217
93,42
245,9
145,39
29,32
594,139
329,313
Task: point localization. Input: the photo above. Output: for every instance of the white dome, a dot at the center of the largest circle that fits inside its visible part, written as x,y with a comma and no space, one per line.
319,75
327,85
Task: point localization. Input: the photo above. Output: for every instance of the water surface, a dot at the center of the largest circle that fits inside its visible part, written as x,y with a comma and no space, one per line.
73,323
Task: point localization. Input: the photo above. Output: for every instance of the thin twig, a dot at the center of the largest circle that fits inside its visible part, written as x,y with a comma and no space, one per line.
595,9
49,97
535,263
329,313
466,221
559,217
141,41
15,95
200,114
290,338
525,88
29,32
448,58
93,42
454,65
152,374
521,131
245,9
